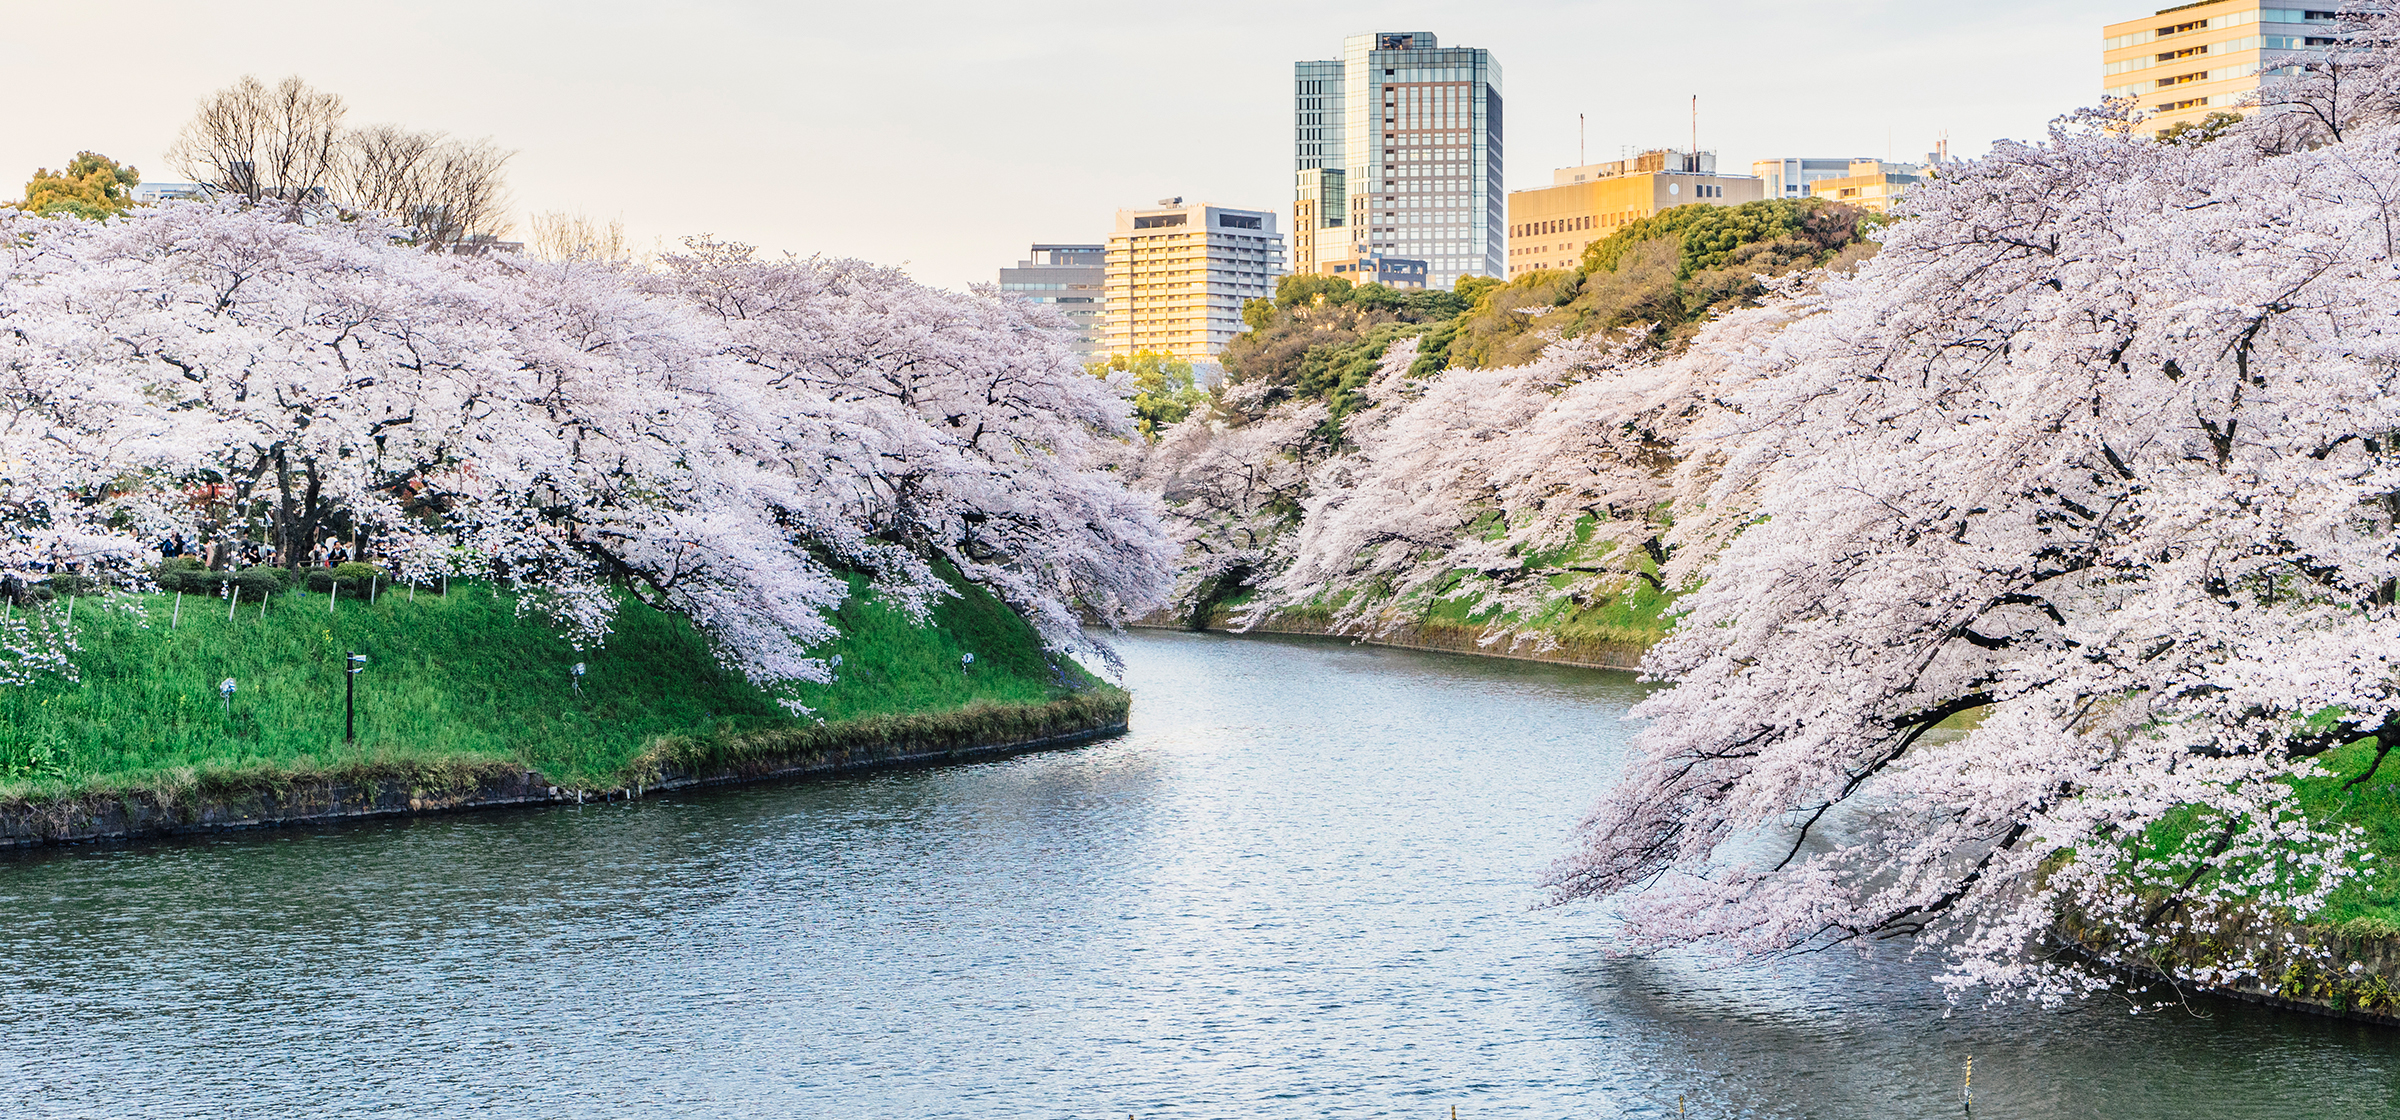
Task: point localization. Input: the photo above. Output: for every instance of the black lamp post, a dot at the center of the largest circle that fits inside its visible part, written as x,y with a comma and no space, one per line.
358,661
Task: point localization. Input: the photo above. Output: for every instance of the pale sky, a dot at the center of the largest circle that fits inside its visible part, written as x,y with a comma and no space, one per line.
948,136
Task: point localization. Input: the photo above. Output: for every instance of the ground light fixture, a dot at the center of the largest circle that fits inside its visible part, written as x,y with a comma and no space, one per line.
358,661
577,676
225,689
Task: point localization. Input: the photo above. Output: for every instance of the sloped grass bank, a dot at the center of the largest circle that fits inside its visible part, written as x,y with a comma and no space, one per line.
2342,960
465,701
1607,622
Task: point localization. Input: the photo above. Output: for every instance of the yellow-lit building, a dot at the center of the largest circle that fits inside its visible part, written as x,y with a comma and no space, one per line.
2181,64
1177,276
1320,206
1870,185
1548,227
1391,272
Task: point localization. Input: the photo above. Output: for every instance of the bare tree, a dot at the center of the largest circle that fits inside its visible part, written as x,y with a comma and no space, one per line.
382,167
287,146
263,144
561,236
443,190
468,196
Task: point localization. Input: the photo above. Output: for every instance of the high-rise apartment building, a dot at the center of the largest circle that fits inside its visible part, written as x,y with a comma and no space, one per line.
1549,227
1177,276
1413,130
2181,64
1068,278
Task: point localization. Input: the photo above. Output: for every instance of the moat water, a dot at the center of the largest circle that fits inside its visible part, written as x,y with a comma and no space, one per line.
1303,886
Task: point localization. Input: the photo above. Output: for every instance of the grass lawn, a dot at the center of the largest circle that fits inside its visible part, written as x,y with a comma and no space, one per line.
2368,903
455,678
2372,900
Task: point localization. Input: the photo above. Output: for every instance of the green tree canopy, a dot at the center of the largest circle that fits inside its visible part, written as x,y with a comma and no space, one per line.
1164,388
1709,235
92,186
2201,131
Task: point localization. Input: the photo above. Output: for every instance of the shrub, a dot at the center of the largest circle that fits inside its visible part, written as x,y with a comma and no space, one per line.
70,583
284,579
188,575
256,583
352,576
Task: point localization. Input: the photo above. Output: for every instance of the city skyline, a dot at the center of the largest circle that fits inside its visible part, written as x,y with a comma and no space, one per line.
624,110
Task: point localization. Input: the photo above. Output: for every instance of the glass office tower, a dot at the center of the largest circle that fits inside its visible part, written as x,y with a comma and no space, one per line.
1417,138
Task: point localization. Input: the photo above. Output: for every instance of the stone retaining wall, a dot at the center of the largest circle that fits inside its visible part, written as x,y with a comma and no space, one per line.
1623,656
2351,975
268,801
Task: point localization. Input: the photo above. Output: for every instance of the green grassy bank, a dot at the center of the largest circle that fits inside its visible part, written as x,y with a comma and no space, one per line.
2369,903
2343,959
460,681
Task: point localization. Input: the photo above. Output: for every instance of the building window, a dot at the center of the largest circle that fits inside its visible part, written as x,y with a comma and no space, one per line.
2180,28
1156,221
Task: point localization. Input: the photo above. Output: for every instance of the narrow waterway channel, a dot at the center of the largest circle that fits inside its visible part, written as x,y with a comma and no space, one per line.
1302,887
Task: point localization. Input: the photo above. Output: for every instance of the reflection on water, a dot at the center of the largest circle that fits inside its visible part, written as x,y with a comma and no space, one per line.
1302,887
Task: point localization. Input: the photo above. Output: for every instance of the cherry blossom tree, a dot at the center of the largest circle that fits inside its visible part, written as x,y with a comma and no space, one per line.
579,429
957,427
1569,477
2101,446
1231,491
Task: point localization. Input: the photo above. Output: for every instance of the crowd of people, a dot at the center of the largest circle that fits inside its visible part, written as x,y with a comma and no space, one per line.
251,554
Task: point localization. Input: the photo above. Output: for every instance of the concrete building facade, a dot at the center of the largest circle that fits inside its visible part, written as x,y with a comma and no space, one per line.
151,194
1177,275
1067,278
1790,178
1391,272
2181,64
1871,184
1415,130
1549,227
1320,215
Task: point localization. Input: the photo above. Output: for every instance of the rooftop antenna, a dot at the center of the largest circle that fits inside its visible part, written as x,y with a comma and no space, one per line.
1579,160
1695,157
